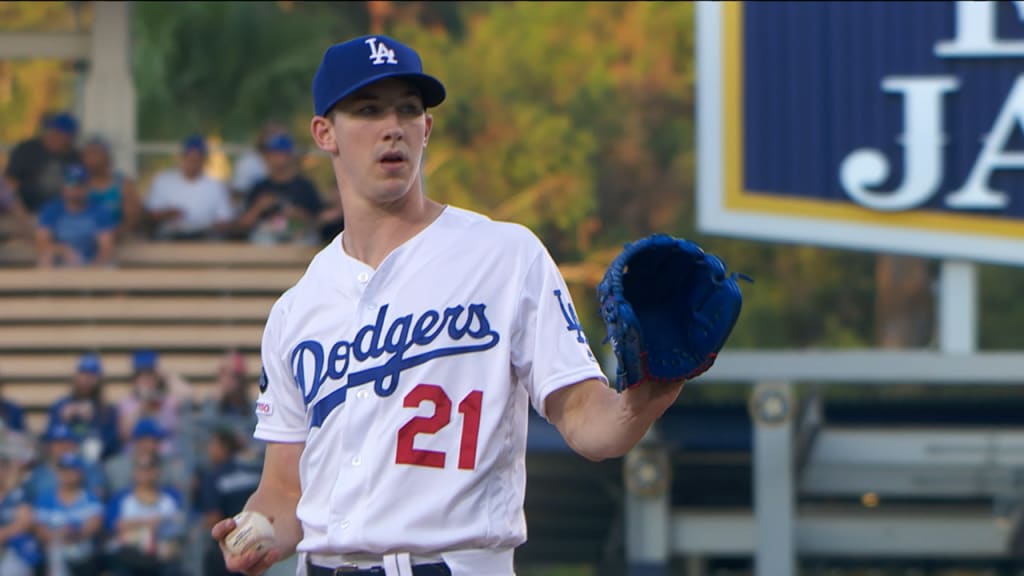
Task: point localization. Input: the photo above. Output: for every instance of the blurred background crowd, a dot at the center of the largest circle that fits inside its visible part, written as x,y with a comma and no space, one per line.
67,199
123,487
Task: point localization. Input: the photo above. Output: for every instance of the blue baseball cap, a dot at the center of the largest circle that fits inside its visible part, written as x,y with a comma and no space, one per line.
279,143
70,461
58,432
99,140
90,363
75,174
194,142
62,122
144,360
351,65
147,428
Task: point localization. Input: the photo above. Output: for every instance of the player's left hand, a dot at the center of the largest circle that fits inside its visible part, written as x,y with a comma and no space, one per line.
669,308
654,397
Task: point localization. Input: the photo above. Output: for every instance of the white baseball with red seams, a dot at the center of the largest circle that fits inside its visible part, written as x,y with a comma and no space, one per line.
411,386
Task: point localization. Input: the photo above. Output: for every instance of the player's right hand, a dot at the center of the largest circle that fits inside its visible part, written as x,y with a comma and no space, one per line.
251,563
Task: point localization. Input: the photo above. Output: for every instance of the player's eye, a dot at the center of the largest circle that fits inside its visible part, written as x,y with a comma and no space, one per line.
410,109
368,110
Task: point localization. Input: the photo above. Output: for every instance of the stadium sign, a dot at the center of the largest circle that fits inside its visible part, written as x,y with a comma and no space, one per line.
888,126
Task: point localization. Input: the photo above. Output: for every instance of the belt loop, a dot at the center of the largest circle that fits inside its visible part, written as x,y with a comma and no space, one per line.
391,567
404,564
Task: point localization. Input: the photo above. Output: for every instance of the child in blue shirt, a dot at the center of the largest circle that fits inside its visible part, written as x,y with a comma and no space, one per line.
69,521
146,523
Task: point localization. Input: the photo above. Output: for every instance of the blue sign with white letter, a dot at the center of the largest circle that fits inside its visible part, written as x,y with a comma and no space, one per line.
894,126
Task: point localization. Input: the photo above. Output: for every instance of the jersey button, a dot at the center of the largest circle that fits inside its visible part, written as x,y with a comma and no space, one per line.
344,524
362,394
356,461
363,277
371,306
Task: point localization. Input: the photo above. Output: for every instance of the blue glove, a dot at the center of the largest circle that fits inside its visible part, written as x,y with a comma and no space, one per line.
669,308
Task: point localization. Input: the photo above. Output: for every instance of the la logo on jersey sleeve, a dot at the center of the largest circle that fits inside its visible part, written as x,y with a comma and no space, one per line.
572,322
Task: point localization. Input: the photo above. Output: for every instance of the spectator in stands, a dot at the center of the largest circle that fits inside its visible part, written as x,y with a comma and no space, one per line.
60,441
225,485
69,521
230,406
12,416
251,166
185,203
72,231
21,448
19,551
156,394
87,413
22,226
285,206
109,188
332,220
147,524
146,442
35,169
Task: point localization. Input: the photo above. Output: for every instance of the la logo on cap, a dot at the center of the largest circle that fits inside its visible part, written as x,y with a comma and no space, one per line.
379,53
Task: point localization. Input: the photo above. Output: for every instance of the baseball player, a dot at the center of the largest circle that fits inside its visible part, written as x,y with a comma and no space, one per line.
399,370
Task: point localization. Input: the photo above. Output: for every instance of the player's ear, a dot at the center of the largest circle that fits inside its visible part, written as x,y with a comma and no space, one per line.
426,133
322,131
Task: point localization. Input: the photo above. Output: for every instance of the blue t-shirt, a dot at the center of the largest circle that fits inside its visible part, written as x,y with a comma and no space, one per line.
76,229
226,488
12,415
24,545
51,512
109,199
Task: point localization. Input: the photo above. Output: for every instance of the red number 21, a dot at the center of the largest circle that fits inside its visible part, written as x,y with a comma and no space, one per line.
470,410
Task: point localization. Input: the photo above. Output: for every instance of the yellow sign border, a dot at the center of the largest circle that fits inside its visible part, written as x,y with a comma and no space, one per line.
738,199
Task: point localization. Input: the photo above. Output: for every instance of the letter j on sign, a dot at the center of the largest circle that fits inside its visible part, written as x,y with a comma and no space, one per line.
810,137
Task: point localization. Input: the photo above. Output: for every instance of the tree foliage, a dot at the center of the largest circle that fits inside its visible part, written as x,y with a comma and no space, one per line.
31,88
225,67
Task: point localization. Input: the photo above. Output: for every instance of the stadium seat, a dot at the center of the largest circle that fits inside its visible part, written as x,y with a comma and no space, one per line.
189,301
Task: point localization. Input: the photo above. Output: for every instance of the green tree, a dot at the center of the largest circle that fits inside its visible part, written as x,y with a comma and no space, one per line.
225,67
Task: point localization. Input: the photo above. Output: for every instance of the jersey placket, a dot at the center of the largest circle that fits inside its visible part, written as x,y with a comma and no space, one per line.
356,421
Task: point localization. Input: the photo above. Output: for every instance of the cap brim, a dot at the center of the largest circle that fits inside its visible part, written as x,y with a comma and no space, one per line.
431,90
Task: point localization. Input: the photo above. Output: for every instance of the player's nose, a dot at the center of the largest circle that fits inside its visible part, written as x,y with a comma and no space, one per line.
391,125
392,133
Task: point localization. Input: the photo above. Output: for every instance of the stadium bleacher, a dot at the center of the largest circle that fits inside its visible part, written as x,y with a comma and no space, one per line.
189,301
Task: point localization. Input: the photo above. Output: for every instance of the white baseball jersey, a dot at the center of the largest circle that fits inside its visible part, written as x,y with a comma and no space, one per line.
410,386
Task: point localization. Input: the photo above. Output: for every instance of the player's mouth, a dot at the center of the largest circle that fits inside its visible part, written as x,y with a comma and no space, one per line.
392,159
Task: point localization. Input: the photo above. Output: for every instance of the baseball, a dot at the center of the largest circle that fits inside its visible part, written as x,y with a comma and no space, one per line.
252,531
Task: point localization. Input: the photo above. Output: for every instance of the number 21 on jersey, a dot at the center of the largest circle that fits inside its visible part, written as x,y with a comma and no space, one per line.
469,407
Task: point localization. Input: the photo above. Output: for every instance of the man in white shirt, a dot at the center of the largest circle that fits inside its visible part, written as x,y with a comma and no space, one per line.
185,203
